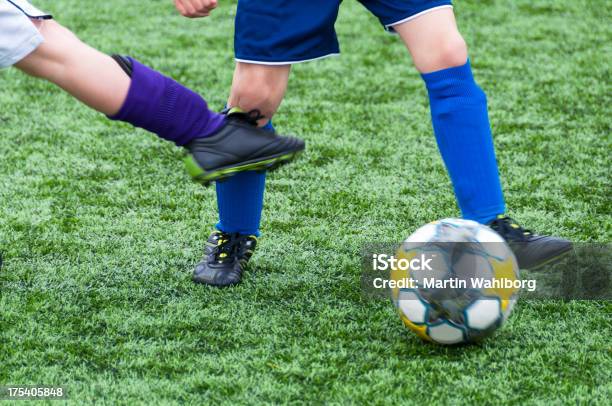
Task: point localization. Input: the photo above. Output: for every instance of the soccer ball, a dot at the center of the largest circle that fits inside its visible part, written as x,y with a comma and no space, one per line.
461,281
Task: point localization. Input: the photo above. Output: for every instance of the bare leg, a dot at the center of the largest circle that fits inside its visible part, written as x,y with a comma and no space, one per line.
89,75
434,41
259,87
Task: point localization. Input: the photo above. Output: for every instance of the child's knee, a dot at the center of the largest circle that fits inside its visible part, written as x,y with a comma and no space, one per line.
258,88
452,52
442,53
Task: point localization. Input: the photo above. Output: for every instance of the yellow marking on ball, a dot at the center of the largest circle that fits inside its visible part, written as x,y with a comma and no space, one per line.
421,331
505,269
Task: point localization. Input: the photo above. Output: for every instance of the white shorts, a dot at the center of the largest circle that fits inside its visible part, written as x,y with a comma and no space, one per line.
18,36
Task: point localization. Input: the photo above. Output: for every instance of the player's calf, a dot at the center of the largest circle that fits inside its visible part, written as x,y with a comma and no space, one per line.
87,74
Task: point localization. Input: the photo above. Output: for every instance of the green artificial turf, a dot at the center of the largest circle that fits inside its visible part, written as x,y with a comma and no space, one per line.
100,225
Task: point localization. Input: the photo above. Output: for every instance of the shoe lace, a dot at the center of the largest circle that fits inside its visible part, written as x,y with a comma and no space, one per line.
228,245
251,117
509,228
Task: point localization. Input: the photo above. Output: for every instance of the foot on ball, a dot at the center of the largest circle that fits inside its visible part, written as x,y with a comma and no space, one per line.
531,250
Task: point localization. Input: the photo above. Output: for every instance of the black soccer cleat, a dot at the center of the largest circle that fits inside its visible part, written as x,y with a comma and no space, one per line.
239,145
531,250
225,257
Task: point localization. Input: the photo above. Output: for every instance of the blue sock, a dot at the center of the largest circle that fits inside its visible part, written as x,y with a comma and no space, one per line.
461,124
240,200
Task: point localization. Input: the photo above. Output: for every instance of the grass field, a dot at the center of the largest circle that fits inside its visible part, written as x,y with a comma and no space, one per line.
100,226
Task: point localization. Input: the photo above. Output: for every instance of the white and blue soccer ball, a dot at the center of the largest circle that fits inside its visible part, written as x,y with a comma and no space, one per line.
436,305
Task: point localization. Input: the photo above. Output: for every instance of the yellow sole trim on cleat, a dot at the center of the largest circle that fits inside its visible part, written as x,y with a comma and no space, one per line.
199,175
193,169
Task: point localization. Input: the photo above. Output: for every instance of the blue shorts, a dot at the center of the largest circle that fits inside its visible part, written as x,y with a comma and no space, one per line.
280,32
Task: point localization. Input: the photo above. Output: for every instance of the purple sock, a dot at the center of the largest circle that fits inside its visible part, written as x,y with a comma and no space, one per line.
165,107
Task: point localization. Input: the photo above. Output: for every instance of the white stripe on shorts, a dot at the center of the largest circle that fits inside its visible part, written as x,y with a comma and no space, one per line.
256,62
412,17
